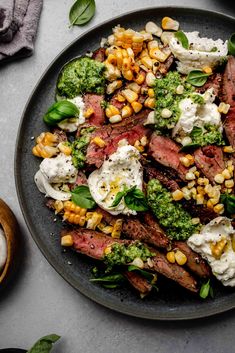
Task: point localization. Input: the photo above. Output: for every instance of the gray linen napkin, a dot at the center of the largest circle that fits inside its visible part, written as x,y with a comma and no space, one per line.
18,26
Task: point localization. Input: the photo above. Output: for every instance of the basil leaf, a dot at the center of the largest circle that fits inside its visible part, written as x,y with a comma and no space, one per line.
135,200
214,49
82,197
44,344
182,39
118,198
189,147
82,12
117,277
231,45
59,111
205,290
197,78
229,202
149,276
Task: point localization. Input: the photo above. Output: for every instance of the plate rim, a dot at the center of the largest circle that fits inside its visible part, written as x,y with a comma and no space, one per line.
59,268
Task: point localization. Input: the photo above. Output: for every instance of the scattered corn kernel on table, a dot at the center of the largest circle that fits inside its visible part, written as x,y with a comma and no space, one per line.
39,301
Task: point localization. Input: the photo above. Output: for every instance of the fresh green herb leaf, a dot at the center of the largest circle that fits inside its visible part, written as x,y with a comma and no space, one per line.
189,147
197,78
81,196
229,202
111,285
214,49
231,45
82,12
149,276
205,290
117,277
79,147
44,344
134,199
182,38
59,111
118,197
207,135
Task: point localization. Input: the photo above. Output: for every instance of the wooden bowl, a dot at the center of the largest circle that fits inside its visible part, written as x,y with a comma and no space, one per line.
10,228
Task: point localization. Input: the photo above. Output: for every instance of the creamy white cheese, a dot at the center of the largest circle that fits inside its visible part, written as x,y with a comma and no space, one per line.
121,169
223,267
3,249
71,125
200,53
53,171
194,114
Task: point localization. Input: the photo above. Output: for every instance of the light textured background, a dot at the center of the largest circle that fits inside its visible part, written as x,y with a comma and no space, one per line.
40,301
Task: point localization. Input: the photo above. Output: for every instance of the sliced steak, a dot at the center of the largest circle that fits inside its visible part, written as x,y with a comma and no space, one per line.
173,271
209,160
165,67
229,126
166,152
99,55
138,282
201,211
214,81
61,135
194,261
94,101
154,173
228,83
152,235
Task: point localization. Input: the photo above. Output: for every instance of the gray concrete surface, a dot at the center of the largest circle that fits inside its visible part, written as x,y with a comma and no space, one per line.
40,301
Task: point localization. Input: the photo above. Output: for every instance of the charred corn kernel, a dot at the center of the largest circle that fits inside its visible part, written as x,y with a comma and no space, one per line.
193,192
219,178
119,58
151,93
88,113
134,87
108,250
180,258
112,72
214,201
128,75
150,79
152,28
47,139
209,204
186,140
111,110
226,174
203,181
140,79
201,190
207,70
166,113
105,229
171,257
195,220
112,59
166,37
229,184
208,188
130,52
126,111
67,150
150,103
95,219
229,163
186,192
191,184
177,195
144,53
67,240
138,146
199,199
147,62
117,228
98,141
120,98
144,141
138,262
193,169
130,95
153,44
223,108
231,169
190,158
217,248
113,86
169,23
190,176
185,161
137,106
197,174
124,53
126,64
115,119
59,206
179,89
228,149
156,53
44,151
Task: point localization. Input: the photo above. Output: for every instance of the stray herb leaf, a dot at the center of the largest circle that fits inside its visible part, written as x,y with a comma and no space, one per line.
229,202
197,78
134,199
231,45
81,196
182,38
205,290
44,344
82,12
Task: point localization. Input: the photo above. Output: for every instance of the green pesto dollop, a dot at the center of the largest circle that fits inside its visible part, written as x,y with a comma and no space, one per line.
207,135
170,214
166,97
122,254
79,147
83,75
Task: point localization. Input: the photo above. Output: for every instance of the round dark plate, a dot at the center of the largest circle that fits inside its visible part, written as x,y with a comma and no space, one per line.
13,350
172,302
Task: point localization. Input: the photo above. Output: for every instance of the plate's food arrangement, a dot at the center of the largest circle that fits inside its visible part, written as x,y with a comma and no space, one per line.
139,159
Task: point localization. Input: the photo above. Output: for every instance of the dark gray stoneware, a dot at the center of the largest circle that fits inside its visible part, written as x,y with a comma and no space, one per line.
171,303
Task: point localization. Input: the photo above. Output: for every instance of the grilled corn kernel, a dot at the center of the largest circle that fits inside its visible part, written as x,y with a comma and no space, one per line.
98,141
180,258
147,62
67,240
138,262
67,150
217,249
219,178
190,176
150,79
157,54
152,28
186,192
226,174
185,161
166,37
47,139
214,201
229,183
94,220
126,111
191,184
171,257
138,146
113,86
108,250
44,151
152,44
150,103
115,119
120,98
130,95
223,108
137,106
207,70
144,141
169,24
140,79
117,228
231,169
134,87
151,93
228,149
111,110
128,75
112,59
209,204
195,220
177,195
59,206
199,199
88,113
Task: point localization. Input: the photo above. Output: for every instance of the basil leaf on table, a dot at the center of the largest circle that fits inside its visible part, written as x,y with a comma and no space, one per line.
182,39
81,196
44,344
59,111
82,12
197,78
231,45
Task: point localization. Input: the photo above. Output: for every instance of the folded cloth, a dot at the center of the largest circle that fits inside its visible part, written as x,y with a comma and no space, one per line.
18,27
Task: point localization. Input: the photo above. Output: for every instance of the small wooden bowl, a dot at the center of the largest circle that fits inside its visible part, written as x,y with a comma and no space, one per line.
10,228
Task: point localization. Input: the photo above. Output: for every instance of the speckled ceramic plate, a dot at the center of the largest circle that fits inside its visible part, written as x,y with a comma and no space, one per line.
172,302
